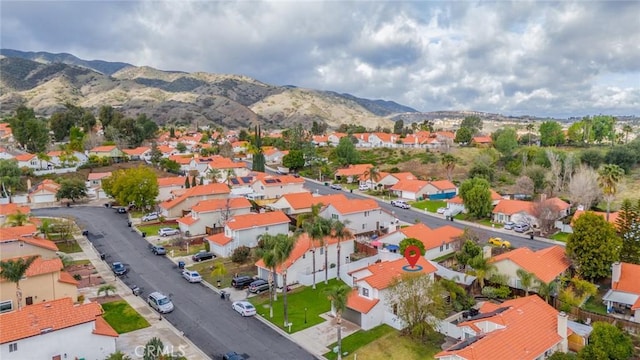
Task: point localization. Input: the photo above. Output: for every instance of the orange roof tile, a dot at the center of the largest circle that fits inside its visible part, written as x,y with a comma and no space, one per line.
137,151
106,148
443,184
48,316
404,176
41,266
629,275
546,264
171,181
15,232
432,238
482,140
221,204
247,221
181,159
299,200
24,157
359,303
281,180
165,149
13,208
219,239
39,242
409,185
200,190
383,273
188,220
350,206
558,203
511,207
65,277
613,216
528,329
102,327
447,134
354,170
365,176
302,245
98,175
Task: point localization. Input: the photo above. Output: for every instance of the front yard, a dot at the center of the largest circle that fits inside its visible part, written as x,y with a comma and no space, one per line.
430,205
359,339
395,346
152,230
560,236
206,268
68,247
122,317
303,304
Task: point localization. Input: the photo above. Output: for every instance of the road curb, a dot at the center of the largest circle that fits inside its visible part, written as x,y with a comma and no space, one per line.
287,335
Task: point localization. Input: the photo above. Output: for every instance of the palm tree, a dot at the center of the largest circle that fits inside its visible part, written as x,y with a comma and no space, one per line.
317,230
526,280
118,355
17,219
449,162
609,176
105,289
45,228
626,129
43,157
14,271
482,269
545,290
372,174
268,256
341,232
282,250
338,295
213,174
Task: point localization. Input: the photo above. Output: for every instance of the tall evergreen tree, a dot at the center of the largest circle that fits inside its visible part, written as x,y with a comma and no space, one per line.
258,157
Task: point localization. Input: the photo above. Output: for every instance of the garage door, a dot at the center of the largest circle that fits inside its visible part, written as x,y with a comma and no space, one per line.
352,316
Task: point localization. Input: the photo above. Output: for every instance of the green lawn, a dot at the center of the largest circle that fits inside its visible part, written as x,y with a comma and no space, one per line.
560,236
80,262
122,317
152,230
595,304
69,247
395,346
299,299
359,339
430,205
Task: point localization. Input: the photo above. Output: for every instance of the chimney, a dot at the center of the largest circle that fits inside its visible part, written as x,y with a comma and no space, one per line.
616,271
563,330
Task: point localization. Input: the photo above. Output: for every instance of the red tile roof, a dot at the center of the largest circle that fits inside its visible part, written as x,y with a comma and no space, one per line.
280,180
200,190
15,232
546,264
181,159
102,327
359,303
354,170
443,184
41,266
247,221
432,238
106,148
188,220
629,275
302,245
24,157
613,216
409,185
137,151
221,204
65,277
482,139
299,200
383,273
351,206
171,181
54,315
13,208
404,176
219,239
527,328
98,175
510,207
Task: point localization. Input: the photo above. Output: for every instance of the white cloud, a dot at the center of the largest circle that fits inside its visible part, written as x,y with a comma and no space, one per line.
523,57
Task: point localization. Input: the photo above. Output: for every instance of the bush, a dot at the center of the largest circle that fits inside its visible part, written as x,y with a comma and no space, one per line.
77,277
81,298
241,254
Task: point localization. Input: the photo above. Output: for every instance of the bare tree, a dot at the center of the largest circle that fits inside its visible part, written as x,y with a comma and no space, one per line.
524,185
567,171
546,212
583,187
554,176
225,213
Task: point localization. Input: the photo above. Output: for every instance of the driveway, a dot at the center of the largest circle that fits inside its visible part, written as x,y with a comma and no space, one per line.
200,314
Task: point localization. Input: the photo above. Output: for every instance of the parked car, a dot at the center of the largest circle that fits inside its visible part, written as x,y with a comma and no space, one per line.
509,225
336,186
499,242
151,216
119,268
192,276
400,203
363,187
202,255
158,250
121,210
160,302
168,232
233,356
258,286
441,210
244,308
241,282
521,228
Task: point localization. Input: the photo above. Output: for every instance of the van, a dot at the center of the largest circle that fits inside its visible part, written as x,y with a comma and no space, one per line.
160,302
242,281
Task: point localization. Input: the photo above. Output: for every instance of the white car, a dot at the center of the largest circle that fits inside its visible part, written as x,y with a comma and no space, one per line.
441,210
336,186
400,203
244,308
168,232
151,216
192,276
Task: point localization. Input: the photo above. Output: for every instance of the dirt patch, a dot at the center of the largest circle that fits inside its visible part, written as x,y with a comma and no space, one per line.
86,275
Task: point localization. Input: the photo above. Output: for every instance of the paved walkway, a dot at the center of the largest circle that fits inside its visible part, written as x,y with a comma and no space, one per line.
318,338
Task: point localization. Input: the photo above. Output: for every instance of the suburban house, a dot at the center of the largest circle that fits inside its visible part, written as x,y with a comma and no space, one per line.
207,215
363,139
5,154
360,216
167,151
45,192
440,190
410,189
546,264
43,331
19,241
168,184
456,204
624,295
380,139
334,139
110,151
481,141
520,211
94,180
273,187
301,203
44,281
31,161
183,160
299,265
246,229
352,172
64,159
367,305
224,167
240,146
175,207
11,208
387,180
525,328
139,153
437,242
274,156
320,140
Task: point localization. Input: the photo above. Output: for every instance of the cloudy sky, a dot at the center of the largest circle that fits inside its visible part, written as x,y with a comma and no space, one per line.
525,57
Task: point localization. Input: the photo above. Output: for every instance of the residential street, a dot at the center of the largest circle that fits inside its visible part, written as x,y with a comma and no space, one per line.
205,319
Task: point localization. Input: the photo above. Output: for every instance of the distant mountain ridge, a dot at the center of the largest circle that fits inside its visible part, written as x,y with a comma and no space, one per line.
104,67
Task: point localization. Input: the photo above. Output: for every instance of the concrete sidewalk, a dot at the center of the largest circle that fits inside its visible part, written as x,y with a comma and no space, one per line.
318,338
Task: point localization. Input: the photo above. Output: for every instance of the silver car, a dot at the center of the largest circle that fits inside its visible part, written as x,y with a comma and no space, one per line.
168,232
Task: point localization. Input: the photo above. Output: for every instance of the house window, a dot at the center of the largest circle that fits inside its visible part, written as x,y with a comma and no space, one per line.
366,213
29,300
6,306
13,347
321,251
394,309
447,246
365,292
441,247
266,228
363,226
334,216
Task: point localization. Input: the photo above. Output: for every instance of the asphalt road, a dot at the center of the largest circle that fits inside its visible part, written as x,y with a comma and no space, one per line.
208,321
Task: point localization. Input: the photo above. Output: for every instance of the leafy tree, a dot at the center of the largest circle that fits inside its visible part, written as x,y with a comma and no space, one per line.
476,195
294,160
592,157
317,228
241,254
346,152
526,280
226,150
138,186
463,136
72,116
169,165
449,162
338,295
481,268
630,252
17,219
156,154
473,123
76,139
372,174
282,249
72,189
603,128
593,246
31,133
627,129
575,133
258,157
187,184
181,147
468,251
624,156
398,126
551,134
318,128
506,141
538,174
607,341
459,298
106,289
608,177
9,176
627,215
421,303
14,271
107,114
524,185
412,241
265,252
